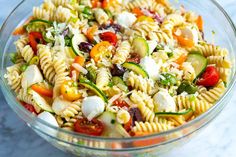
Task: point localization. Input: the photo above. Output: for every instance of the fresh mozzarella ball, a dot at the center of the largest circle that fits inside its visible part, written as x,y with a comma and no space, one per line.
48,117
126,19
92,107
123,116
32,75
164,102
190,33
59,105
151,67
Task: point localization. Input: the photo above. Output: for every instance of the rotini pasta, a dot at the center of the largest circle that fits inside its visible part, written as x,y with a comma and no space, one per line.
129,67
122,53
46,63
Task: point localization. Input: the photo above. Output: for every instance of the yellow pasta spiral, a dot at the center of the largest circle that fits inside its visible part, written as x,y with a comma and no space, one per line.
210,50
151,127
103,78
187,102
27,53
224,73
213,94
46,63
138,82
61,75
122,52
219,61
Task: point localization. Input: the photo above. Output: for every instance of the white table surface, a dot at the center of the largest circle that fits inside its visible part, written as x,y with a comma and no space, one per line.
18,140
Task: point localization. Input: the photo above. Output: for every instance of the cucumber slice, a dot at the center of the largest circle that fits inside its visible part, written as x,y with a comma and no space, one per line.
108,119
140,46
120,83
199,63
40,101
136,68
75,41
186,114
37,24
88,84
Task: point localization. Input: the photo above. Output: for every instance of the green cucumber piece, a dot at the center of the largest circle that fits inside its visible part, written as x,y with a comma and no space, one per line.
108,119
40,101
119,82
37,23
136,68
75,41
198,61
88,84
186,113
140,46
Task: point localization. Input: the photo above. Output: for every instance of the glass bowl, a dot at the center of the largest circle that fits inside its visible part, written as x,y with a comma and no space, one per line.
215,19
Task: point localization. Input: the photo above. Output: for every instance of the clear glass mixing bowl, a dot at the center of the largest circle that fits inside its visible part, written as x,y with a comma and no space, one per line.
215,19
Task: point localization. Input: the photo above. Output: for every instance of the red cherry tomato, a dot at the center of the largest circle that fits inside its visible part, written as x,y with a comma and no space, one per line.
128,125
210,77
29,107
34,39
120,103
110,37
93,127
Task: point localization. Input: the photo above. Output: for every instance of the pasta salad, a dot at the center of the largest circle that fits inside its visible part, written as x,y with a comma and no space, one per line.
116,68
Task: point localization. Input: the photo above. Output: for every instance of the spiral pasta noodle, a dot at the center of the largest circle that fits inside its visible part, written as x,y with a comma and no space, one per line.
219,61
46,63
27,53
186,102
150,127
170,22
213,94
144,28
101,16
28,98
209,50
21,43
139,83
224,73
103,78
14,77
142,99
122,53
61,75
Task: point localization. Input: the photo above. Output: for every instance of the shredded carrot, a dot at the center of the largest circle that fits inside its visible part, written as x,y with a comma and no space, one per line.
199,23
138,12
181,59
91,31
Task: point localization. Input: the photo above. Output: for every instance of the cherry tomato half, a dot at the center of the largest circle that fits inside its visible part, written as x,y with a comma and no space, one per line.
128,125
29,107
110,37
209,78
120,103
93,127
99,49
34,39
70,91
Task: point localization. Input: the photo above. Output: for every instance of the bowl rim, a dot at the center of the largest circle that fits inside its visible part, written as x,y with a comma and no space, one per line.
11,98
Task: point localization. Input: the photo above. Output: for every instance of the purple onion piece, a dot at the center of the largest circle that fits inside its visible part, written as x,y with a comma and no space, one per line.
65,32
136,115
85,47
117,70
